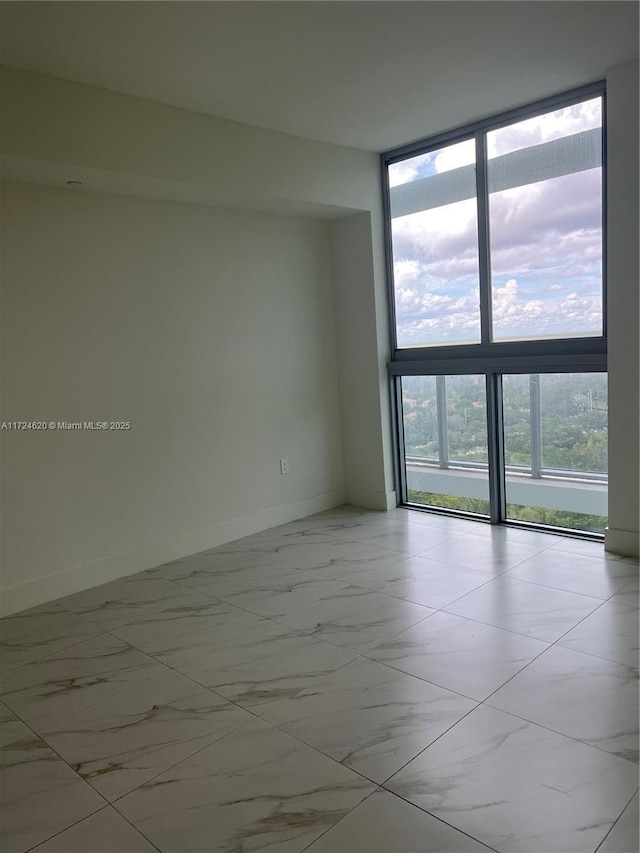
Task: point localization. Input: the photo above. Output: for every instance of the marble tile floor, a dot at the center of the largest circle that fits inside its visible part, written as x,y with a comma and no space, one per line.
352,682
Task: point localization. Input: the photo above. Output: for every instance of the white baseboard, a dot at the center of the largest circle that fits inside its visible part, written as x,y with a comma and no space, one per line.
48,588
382,501
622,542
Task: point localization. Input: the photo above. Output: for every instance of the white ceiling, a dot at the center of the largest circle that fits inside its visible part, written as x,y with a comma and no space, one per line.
371,75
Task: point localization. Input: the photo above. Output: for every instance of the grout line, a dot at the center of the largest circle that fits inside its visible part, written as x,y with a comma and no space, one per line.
362,655
615,822
435,816
76,642
329,828
93,814
118,691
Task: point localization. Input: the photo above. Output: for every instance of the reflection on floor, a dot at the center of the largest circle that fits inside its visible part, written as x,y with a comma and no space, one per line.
353,682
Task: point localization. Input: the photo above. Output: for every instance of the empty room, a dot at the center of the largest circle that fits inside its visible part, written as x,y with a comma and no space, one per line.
320,426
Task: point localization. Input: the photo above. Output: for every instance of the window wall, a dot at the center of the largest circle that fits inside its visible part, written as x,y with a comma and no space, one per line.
495,255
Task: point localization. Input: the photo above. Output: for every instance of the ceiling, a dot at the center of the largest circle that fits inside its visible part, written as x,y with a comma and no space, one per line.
371,75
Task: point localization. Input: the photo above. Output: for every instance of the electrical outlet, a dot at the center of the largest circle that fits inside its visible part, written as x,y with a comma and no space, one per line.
284,466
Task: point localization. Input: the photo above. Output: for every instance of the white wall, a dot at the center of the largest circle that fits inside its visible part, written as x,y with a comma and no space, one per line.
362,357
212,332
49,121
54,130
623,307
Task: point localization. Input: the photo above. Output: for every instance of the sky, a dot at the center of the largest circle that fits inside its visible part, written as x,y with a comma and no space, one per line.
546,254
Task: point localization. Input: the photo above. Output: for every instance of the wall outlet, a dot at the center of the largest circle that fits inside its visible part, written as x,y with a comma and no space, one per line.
284,466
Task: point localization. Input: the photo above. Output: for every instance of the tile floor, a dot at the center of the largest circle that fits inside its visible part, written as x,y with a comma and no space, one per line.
349,683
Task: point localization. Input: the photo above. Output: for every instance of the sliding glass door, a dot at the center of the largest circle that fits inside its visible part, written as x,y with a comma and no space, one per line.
445,442
555,439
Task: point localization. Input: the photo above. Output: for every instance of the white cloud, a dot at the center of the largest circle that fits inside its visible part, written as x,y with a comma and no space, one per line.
511,312
506,294
407,170
544,128
402,173
575,307
546,248
405,271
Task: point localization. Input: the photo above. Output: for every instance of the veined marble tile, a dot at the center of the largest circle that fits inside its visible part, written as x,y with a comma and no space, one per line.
611,632
578,695
356,618
203,646
183,638
206,564
623,838
368,575
122,601
52,688
348,513
222,584
575,573
505,533
38,632
255,789
274,673
269,542
105,831
527,608
359,529
280,596
517,787
427,582
481,553
410,539
370,717
119,744
348,527
40,795
629,594
257,664
458,654
316,555
591,549
400,534
296,534
181,617
384,823
11,727
454,526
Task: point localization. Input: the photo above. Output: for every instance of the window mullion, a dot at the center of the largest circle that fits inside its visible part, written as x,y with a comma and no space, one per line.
484,260
401,471
441,409
536,425
495,447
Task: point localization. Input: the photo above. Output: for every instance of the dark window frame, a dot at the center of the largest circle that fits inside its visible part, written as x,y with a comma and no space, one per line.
491,358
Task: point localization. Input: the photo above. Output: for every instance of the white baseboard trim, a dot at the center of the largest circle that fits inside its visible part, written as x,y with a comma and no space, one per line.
625,542
44,589
382,501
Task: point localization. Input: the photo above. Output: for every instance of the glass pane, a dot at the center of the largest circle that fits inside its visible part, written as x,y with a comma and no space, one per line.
545,214
556,449
467,419
445,438
419,407
435,247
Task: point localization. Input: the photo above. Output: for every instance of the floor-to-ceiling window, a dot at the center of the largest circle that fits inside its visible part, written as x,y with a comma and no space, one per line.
496,271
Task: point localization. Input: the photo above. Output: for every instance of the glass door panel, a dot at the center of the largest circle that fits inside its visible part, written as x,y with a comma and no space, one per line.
445,442
555,438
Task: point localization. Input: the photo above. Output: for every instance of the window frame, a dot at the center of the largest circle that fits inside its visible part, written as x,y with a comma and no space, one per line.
489,357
